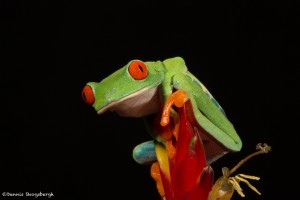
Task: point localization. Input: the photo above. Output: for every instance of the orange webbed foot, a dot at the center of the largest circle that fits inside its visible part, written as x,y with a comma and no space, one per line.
178,99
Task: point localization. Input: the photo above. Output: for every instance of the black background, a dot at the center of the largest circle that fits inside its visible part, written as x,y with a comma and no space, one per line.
245,52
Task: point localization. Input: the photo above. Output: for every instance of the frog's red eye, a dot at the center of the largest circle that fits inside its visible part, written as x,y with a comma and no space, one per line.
138,70
88,95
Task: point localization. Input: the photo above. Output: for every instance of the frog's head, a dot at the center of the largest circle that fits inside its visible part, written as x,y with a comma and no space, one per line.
130,91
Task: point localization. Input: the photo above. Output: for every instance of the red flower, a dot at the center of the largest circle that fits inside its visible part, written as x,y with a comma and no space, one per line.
184,175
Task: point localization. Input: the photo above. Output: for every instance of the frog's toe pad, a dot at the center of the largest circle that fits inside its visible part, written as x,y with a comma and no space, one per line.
144,153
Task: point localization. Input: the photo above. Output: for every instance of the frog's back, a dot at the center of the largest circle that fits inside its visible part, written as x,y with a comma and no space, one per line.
202,86
177,65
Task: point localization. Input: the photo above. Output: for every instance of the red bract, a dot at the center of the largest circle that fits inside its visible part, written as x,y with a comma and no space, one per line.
189,176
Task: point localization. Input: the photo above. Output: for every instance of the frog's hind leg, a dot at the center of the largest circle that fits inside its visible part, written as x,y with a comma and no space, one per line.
144,153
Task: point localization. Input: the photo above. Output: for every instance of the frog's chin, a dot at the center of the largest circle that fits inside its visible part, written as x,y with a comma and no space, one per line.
138,104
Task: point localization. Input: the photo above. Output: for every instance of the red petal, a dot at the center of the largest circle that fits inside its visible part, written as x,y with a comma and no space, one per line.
190,177
201,190
190,157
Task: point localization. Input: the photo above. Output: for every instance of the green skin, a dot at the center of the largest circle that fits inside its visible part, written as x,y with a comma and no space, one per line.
121,93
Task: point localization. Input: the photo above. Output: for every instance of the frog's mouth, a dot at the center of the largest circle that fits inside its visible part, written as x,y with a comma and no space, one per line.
138,104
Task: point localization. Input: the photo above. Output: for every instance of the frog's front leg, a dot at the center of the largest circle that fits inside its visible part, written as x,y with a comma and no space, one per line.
144,153
177,98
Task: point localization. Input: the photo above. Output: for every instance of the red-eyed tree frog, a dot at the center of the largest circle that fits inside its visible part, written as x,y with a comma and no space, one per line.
140,89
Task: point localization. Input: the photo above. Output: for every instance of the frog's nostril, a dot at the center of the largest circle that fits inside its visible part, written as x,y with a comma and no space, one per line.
88,95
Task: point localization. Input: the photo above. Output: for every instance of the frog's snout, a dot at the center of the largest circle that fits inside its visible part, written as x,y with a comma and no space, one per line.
88,95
